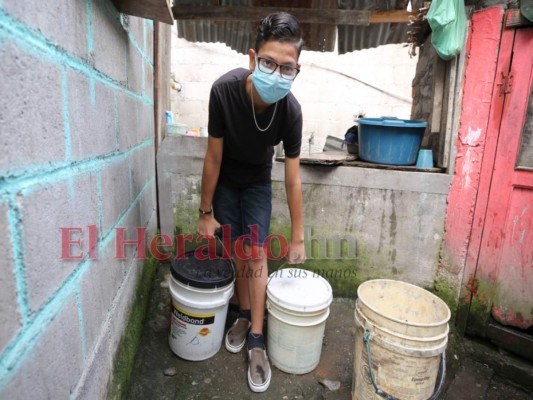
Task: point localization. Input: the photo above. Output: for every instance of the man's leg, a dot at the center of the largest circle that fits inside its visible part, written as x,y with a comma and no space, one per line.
237,334
256,285
241,283
255,208
227,208
259,372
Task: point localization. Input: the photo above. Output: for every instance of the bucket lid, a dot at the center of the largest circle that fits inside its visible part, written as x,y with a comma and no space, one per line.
202,273
299,290
392,121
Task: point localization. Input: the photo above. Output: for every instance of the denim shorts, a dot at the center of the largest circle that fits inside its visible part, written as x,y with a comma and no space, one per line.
246,211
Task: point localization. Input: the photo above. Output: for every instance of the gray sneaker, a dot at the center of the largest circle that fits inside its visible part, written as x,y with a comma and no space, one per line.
258,370
236,336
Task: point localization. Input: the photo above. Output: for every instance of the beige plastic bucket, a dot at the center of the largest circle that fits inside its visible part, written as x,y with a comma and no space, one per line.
406,329
298,306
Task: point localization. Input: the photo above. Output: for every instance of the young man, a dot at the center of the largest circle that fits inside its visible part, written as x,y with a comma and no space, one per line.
251,111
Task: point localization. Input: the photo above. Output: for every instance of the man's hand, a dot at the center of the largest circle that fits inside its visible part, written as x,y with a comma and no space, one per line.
296,253
207,225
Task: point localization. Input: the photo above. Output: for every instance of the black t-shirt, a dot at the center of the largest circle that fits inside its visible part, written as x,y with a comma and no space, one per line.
248,152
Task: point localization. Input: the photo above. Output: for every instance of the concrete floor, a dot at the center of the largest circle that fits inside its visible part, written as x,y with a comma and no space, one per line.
159,374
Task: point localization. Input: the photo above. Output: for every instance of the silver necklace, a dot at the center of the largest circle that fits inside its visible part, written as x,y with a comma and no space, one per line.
253,112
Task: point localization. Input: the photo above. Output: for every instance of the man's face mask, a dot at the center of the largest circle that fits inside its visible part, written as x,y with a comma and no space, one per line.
269,83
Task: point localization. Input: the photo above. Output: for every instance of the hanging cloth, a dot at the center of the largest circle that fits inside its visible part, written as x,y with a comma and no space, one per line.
447,19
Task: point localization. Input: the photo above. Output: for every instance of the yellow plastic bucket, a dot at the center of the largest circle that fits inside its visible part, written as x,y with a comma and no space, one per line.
400,342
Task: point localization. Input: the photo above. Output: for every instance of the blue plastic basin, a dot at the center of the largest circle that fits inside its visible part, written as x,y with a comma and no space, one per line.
390,140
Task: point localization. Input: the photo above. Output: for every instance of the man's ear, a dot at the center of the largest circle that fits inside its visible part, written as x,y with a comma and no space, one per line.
251,54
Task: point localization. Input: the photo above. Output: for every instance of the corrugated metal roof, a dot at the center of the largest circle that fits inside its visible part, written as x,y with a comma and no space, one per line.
237,35
240,36
352,38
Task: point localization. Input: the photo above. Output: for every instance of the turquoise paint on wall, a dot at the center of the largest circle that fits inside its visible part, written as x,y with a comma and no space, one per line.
36,326
81,320
39,46
110,235
115,109
90,37
143,83
137,45
26,180
66,125
70,188
144,41
92,91
15,230
66,118
17,351
47,174
100,198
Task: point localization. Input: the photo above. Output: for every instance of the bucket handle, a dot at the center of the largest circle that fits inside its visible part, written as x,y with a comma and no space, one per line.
385,395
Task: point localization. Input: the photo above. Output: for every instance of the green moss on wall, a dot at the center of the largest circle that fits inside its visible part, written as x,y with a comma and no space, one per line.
127,349
344,275
447,293
479,308
341,274
461,313
185,219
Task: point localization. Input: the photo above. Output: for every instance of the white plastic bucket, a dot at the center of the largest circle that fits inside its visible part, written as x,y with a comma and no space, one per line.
406,329
298,306
200,292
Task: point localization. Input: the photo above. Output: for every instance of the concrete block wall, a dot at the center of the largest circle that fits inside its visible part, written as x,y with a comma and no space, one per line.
77,145
331,88
394,219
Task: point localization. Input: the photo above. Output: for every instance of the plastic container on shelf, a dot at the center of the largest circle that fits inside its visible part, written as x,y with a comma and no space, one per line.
176,129
390,140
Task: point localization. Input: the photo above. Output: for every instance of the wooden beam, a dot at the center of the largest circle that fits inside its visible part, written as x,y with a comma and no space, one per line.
392,16
320,37
458,101
304,15
157,10
439,76
510,339
450,110
514,19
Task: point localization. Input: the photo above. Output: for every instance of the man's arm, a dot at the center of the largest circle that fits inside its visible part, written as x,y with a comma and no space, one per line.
207,224
293,187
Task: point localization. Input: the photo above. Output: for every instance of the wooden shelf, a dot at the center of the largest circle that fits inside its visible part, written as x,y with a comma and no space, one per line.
337,158
157,10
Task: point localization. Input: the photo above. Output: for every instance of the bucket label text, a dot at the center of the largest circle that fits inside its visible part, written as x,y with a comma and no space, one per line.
193,319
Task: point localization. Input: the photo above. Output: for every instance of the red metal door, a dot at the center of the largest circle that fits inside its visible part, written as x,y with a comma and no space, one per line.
504,274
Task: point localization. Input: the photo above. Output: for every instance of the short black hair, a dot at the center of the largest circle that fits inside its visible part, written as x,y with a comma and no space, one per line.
280,26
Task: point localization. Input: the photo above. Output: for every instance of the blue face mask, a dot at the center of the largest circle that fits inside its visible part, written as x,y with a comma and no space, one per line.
271,87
